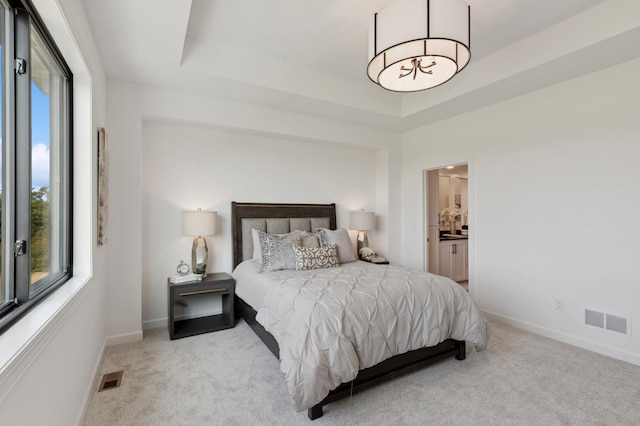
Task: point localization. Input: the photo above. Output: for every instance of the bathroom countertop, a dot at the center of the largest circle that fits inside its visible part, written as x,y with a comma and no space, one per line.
450,237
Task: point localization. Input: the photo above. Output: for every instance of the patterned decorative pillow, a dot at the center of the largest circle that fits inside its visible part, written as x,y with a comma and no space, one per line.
316,257
277,250
339,238
257,251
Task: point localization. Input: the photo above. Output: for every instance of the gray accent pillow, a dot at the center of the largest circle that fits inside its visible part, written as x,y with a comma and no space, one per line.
315,257
309,239
277,250
339,238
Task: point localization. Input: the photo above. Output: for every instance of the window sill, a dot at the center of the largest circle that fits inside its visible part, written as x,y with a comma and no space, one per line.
24,340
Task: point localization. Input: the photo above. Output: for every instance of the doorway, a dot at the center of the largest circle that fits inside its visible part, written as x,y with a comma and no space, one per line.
447,222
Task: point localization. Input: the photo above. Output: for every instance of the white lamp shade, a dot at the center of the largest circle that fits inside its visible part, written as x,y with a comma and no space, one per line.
199,223
363,221
418,44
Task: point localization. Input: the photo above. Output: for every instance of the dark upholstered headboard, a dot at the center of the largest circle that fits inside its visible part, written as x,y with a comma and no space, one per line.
317,213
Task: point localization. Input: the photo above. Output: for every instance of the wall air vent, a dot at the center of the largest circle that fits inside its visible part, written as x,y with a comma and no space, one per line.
607,322
593,318
617,324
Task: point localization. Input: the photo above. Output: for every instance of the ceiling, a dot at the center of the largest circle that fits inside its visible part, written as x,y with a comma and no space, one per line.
310,57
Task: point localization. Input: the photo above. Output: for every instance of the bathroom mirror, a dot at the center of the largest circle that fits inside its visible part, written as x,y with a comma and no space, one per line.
453,193
444,192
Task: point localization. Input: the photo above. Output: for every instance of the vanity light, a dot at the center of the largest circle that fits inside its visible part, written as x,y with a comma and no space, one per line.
419,44
199,223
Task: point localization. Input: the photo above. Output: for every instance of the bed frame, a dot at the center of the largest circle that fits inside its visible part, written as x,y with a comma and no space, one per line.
390,368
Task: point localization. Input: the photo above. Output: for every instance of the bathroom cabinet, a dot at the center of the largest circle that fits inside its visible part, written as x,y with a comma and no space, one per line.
454,259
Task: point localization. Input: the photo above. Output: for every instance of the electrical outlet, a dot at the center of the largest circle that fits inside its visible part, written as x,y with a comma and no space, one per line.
559,304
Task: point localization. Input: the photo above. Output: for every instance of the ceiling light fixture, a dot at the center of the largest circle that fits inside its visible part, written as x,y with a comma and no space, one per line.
419,44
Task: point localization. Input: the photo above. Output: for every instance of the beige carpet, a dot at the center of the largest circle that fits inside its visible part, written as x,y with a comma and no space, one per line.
230,378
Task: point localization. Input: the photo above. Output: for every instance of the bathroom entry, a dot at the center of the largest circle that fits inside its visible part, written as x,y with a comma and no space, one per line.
453,198
447,222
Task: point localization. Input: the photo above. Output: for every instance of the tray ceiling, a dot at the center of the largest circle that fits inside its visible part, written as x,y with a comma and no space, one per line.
311,57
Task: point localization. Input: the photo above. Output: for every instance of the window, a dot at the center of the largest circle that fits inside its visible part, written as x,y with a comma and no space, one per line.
35,166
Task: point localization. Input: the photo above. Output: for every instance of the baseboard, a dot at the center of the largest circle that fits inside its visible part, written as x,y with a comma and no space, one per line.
158,323
579,342
123,338
91,386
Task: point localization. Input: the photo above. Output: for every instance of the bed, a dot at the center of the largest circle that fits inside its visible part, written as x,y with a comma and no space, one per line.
282,287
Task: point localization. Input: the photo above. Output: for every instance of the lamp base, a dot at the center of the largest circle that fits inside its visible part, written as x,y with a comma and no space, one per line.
199,256
361,241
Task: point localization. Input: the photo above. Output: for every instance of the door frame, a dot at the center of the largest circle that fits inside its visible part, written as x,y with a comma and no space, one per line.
471,218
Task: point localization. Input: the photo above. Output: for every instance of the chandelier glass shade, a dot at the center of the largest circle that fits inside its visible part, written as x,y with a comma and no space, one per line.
419,44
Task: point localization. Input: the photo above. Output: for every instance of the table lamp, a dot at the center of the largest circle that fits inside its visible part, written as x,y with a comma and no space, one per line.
199,223
362,221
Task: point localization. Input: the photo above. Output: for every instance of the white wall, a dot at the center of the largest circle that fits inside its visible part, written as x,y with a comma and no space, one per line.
175,150
48,359
553,194
124,297
539,164
186,167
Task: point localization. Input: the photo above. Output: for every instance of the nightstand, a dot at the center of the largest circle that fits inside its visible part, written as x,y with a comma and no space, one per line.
217,284
377,260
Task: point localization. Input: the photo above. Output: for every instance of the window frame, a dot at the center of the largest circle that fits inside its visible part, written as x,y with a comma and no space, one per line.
17,170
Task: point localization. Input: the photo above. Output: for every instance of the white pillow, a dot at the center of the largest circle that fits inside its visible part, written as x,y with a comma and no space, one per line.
257,255
339,238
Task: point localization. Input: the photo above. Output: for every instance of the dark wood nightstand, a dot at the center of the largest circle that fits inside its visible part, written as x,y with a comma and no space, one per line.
213,284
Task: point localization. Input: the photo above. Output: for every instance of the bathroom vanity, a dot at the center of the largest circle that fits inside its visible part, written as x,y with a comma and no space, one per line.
454,257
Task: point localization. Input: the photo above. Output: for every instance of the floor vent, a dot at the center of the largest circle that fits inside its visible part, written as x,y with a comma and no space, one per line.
111,381
607,322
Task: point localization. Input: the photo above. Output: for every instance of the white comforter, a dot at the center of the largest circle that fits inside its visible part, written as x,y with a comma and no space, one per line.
330,323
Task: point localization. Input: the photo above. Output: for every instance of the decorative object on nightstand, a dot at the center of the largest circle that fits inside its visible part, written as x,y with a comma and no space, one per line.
199,224
183,274
182,268
379,260
362,221
366,253
180,294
